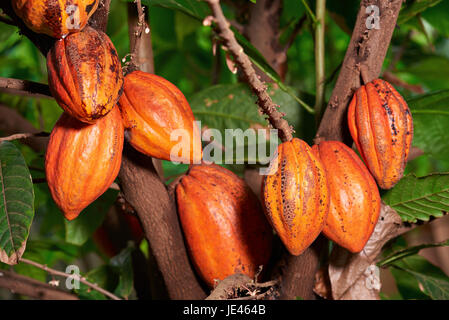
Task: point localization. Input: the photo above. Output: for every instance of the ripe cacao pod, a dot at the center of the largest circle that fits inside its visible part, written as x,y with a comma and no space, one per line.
354,197
152,108
83,160
295,195
55,18
223,223
382,128
84,74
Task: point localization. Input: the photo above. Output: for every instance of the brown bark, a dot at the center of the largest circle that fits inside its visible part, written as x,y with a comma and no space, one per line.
367,49
147,194
29,287
12,122
263,32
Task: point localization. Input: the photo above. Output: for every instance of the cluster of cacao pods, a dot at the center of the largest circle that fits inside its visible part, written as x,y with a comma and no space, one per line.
328,188
85,77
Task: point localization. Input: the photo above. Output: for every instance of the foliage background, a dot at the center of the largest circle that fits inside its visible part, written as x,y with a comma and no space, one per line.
418,55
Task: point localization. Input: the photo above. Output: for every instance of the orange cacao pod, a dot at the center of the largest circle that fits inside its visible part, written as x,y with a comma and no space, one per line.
382,128
55,18
354,197
295,195
152,108
223,223
84,74
82,160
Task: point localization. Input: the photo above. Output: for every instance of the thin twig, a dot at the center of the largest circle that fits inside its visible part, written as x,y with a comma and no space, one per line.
296,30
264,101
320,63
18,136
309,11
66,275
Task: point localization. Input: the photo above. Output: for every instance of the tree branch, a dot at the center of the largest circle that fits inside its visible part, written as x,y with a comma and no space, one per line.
320,62
12,122
264,101
24,87
367,48
32,288
74,276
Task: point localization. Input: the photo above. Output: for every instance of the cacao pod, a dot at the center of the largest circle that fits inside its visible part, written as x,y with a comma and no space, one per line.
295,195
152,108
55,18
223,223
85,75
382,128
354,197
83,160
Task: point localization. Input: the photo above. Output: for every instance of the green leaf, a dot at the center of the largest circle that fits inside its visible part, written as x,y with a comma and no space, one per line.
429,279
431,70
407,285
431,120
194,8
259,60
78,231
16,203
408,11
420,198
437,289
344,13
408,252
438,17
104,277
123,266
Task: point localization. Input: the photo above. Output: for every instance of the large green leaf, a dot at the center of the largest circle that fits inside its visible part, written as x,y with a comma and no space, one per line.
16,203
431,120
420,198
123,266
398,255
438,17
430,279
409,10
194,8
79,230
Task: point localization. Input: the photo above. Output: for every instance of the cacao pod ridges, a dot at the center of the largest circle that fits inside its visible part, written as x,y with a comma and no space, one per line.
354,196
153,109
381,126
223,223
83,160
85,75
55,18
295,195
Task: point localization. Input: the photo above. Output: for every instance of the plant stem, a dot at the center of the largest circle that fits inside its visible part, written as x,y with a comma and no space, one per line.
320,72
309,11
66,275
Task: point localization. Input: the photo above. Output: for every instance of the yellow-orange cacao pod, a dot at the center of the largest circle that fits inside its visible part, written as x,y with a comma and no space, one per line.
55,18
354,197
82,160
84,74
295,194
223,223
153,109
382,128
